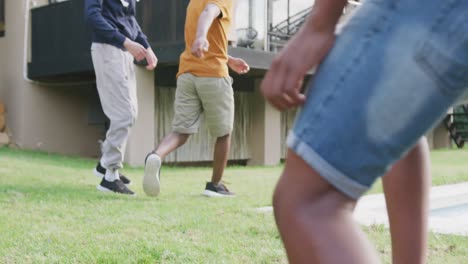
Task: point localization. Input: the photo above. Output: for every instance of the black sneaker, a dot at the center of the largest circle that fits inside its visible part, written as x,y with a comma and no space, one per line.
116,186
100,171
151,181
217,190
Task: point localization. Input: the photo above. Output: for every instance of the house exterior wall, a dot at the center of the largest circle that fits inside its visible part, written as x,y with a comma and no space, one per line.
2,68
265,140
41,116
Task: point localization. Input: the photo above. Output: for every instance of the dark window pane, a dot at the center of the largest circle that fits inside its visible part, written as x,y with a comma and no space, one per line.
2,18
56,1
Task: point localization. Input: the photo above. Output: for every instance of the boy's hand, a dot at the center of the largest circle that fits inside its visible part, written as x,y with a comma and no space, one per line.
136,49
238,65
282,84
151,59
199,46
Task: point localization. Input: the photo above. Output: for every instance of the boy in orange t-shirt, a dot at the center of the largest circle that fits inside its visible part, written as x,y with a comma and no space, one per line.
203,86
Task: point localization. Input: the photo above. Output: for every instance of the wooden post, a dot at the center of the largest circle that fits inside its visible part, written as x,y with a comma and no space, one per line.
2,118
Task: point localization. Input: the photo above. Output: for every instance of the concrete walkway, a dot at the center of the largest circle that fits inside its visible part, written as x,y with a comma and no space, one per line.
448,215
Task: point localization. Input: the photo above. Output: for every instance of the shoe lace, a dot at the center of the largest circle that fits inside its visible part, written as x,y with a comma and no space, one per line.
122,186
222,186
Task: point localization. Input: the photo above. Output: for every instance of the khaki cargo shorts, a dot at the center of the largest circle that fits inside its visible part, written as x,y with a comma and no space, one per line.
213,97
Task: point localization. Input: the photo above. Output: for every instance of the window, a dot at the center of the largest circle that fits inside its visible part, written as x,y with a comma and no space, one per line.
56,1
250,24
286,18
2,18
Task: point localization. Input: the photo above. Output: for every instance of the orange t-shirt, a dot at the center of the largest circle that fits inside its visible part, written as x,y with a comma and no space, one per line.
214,62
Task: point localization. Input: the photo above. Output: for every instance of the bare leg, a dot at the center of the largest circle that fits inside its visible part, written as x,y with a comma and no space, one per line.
170,143
221,152
406,189
315,220
151,183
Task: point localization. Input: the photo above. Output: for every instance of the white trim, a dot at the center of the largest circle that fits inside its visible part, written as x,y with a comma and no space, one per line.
209,193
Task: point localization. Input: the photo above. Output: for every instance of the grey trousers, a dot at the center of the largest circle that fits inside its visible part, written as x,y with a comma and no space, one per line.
116,84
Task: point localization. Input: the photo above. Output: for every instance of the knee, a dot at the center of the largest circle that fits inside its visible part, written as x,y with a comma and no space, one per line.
278,198
176,138
129,118
283,204
291,206
287,205
182,138
133,116
125,121
224,137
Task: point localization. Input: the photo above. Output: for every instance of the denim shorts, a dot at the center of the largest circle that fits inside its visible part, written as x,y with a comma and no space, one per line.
395,69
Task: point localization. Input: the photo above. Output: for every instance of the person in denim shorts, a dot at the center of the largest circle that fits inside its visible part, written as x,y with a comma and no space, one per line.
383,82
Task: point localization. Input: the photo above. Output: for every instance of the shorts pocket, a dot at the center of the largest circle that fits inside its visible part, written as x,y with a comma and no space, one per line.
443,55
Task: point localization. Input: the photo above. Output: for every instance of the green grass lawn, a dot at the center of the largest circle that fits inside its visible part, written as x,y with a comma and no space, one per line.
51,212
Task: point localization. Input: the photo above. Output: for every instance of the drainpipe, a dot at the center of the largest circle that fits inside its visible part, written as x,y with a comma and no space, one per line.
251,9
268,18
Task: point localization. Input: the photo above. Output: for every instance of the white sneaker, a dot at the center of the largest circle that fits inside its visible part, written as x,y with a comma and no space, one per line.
151,184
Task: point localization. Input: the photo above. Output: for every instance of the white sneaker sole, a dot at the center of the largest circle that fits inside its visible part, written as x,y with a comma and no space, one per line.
151,184
209,193
104,189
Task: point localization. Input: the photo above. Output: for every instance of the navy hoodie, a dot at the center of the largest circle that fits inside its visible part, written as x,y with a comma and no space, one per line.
114,21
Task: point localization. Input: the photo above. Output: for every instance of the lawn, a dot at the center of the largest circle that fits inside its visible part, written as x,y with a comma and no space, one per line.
51,212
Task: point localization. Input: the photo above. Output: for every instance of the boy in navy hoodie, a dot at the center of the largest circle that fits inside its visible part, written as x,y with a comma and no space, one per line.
117,40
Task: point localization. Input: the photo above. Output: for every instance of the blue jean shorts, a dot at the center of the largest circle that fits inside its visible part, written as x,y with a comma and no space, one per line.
395,69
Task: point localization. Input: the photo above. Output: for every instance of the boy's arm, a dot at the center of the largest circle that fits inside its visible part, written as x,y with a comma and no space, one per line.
209,14
282,84
141,37
238,65
94,18
325,14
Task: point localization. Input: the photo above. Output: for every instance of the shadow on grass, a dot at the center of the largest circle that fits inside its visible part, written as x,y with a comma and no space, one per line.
55,159
61,192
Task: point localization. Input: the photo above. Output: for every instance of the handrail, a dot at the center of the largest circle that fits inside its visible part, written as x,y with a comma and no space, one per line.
457,128
292,20
285,29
